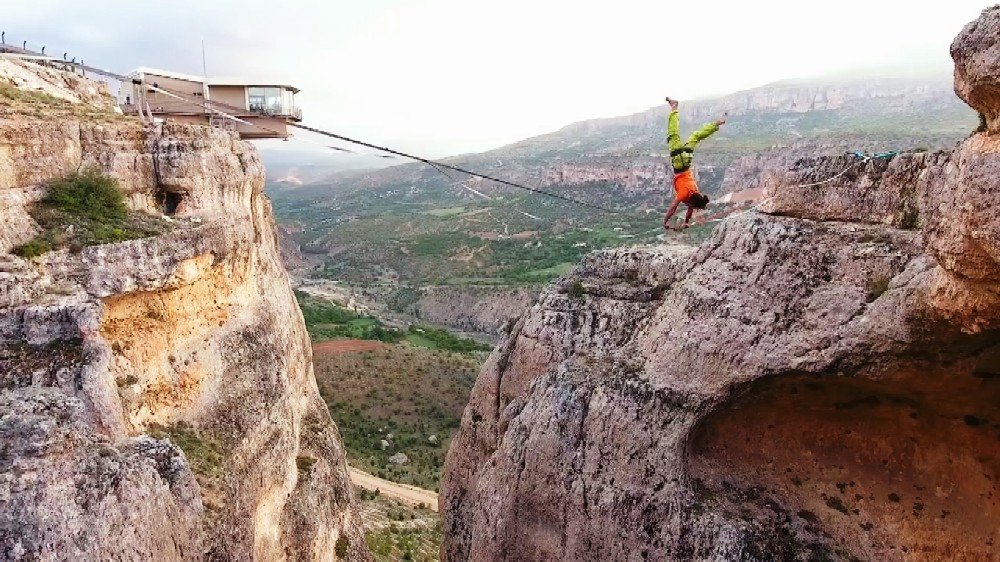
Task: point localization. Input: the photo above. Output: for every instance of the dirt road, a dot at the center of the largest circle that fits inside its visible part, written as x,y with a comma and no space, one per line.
410,495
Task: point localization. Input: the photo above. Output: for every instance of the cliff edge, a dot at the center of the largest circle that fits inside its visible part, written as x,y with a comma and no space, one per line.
157,399
819,380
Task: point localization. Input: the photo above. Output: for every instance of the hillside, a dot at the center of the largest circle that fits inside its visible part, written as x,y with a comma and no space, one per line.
411,226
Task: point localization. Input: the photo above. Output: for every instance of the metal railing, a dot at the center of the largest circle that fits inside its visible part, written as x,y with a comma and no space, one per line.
293,112
161,105
220,122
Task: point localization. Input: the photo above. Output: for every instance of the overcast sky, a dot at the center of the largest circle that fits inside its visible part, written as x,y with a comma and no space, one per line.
451,76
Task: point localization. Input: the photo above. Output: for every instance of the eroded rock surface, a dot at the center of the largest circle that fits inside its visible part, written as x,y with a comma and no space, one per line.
472,309
157,395
878,191
962,215
818,381
976,52
133,498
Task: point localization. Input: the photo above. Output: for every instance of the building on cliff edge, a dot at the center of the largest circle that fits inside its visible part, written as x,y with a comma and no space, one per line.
268,108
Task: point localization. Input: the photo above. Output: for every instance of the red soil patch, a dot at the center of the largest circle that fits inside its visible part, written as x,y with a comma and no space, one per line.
335,347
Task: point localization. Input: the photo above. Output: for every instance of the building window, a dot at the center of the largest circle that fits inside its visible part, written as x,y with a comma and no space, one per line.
266,100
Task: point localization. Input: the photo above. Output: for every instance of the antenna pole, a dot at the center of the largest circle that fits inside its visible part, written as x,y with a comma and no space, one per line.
204,72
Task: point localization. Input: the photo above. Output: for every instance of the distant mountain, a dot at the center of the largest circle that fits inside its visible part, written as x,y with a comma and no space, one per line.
809,116
889,114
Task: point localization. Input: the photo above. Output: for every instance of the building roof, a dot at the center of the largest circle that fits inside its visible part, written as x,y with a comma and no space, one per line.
221,81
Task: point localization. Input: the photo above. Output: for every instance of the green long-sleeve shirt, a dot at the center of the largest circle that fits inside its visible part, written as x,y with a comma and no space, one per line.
682,154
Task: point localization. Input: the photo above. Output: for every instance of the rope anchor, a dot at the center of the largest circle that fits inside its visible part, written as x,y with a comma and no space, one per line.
862,158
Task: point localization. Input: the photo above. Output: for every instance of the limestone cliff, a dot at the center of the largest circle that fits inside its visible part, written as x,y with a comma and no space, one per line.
896,94
158,400
649,173
472,309
748,171
820,380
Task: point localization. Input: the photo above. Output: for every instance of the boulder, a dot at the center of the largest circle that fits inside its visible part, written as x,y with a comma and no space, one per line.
846,188
961,209
976,52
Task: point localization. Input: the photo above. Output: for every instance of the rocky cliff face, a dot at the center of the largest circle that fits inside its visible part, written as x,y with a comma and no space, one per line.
877,191
633,175
820,380
473,309
751,171
158,396
791,97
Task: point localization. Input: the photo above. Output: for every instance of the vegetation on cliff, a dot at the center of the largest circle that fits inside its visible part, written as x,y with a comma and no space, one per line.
397,399
417,237
327,320
394,531
11,94
86,208
390,399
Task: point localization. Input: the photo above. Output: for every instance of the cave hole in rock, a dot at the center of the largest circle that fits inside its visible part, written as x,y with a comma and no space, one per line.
899,465
170,201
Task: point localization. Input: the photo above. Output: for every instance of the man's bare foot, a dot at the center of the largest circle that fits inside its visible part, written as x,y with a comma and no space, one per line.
672,102
722,120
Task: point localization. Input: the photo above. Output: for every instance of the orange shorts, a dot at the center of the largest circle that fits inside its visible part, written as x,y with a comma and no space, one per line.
685,186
